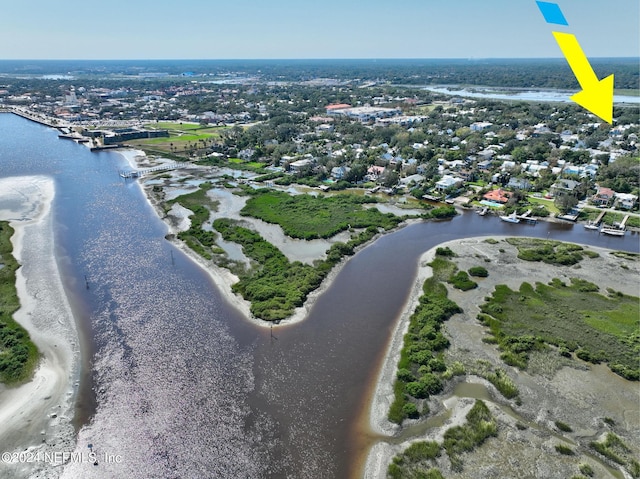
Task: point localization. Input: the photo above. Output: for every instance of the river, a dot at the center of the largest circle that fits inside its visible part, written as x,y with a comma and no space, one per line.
518,94
183,385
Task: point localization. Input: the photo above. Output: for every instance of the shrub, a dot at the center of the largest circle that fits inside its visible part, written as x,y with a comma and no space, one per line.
503,383
405,375
446,252
461,281
410,410
422,451
586,470
587,355
563,426
479,272
417,389
562,449
432,383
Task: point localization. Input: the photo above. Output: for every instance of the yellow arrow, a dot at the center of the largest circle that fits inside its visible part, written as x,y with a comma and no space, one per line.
596,95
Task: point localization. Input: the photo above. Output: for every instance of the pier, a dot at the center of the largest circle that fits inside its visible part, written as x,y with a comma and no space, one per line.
526,217
146,171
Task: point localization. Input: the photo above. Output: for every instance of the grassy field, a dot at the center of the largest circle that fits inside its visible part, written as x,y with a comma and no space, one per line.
308,217
238,163
18,354
182,138
576,317
169,125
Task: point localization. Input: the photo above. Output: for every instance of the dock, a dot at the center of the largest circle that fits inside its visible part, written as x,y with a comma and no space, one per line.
624,222
527,218
616,230
140,173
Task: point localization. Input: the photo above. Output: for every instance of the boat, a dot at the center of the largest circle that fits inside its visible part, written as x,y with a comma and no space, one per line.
613,231
483,211
590,226
512,218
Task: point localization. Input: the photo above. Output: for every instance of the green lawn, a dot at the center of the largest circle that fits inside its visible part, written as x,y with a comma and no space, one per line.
180,137
246,165
179,126
549,204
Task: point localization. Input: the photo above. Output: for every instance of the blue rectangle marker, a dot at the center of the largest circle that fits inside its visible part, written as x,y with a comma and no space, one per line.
552,13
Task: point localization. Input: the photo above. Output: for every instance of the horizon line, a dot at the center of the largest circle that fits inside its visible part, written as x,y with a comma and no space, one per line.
471,59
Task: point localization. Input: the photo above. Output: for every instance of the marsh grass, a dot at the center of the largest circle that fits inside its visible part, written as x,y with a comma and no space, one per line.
18,354
572,317
308,217
418,460
548,251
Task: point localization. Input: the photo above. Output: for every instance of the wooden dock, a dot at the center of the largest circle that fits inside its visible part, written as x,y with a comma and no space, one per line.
140,173
527,218
624,222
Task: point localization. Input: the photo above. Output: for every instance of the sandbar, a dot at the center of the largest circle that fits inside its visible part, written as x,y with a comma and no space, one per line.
37,416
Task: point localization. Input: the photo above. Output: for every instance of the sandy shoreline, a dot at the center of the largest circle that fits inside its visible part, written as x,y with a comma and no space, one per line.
37,416
381,453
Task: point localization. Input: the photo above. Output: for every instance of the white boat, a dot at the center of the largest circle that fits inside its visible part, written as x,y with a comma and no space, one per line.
590,226
512,218
483,211
613,231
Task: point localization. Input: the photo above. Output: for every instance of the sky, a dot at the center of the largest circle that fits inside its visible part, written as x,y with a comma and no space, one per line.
283,29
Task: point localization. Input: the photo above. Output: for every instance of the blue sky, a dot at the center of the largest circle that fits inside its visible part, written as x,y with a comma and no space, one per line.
215,29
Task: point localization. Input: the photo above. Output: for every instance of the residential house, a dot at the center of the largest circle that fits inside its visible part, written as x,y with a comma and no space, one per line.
480,125
484,165
603,197
374,172
467,174
417,179
246,154
299,165
498,196
447,181
519,184
564,186
626,201
339,172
